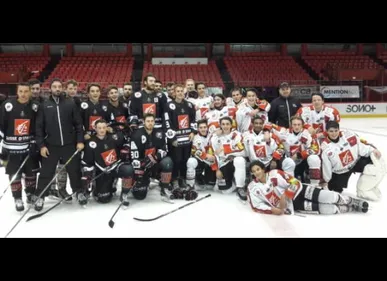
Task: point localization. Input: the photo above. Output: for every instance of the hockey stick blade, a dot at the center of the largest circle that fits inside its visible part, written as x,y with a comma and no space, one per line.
49,209
111,222
170,212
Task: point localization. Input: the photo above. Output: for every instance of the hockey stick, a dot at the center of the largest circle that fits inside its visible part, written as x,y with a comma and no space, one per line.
44,190
170,212
58,203
15,175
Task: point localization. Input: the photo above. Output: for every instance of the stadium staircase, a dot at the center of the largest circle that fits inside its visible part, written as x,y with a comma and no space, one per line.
49,68
307,68
136,78
226,77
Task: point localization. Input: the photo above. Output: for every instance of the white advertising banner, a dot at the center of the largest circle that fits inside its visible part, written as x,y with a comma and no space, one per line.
361,109
337,92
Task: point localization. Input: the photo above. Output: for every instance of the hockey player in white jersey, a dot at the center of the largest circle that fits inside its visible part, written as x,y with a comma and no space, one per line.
301,149
317,115
220,110
278,193
236,98
199,165
229,152
250,108
344,153
202,102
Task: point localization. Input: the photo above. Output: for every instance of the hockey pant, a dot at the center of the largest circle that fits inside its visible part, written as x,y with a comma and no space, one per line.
340,181
199,171
235,169
28,173
313,200
49,164
162,171
179,156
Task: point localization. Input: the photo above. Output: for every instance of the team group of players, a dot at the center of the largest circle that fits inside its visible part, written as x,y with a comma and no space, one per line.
281,157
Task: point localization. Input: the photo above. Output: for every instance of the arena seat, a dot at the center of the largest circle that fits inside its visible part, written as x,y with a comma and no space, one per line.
33,63
207,73
265,69
322,62
383,56
104,68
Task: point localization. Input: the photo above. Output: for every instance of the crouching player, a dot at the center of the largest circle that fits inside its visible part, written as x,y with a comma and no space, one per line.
199,165
277,192
102,151
301,149
229,153
149,159
344,153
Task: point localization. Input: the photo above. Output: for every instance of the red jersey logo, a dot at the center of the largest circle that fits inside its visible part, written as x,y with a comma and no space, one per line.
21,127
346,158
92,120
150,151
183,121
149,108
109,157
203,111
121,119
260,151
294,149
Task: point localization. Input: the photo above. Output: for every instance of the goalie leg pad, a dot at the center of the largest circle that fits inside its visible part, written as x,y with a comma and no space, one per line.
373,174
192,164
240,171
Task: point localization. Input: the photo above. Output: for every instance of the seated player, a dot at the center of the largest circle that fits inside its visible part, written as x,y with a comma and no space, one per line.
344,153
229,152
199,165
278,193
301,149
102,151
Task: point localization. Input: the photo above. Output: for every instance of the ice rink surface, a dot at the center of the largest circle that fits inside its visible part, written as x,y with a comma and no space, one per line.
217,216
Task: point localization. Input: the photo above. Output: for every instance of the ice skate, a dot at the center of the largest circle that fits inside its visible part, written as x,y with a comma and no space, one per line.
82,199
124,198
166,195
19,205
39,204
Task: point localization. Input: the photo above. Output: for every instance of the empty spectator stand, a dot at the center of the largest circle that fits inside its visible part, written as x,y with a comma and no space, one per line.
265,69
327,64
30,63
206,73
103,68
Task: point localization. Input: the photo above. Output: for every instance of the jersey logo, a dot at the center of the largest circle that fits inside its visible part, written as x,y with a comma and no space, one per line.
120,119
352,140
346,158
21,127
149,108
183,121
8,106
109,157
260,151
149,151
294,149
232,112
92,120
203,111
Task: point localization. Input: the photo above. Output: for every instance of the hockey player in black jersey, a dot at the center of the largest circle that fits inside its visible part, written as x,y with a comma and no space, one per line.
102,153
17,130
149,155
93,109
147,101
116,110
128,91
181,128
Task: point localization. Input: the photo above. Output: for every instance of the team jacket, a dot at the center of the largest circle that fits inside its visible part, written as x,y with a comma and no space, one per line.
143,144
124,100
342,156
282,109
91,112
58,123
202,144
213,117
180,122
17,124
117,114
318,120
263,196
258,149
302,143
227,146
153,103
102,153
243,118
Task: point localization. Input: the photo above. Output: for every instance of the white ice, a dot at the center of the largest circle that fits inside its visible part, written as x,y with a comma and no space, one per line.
217,216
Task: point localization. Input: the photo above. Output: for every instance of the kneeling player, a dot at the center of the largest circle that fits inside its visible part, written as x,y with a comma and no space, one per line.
277,192
201,160
102,151
149,159
344,153
229,151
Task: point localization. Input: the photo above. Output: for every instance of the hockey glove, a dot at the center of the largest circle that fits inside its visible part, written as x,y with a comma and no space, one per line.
149,162
191,194
178,193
